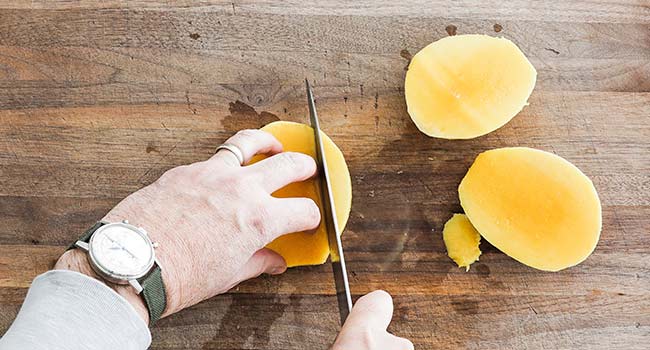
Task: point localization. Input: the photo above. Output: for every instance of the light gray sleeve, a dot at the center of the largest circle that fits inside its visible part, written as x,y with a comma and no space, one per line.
69,310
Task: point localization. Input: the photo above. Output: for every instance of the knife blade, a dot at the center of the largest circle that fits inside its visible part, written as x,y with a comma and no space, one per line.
329,219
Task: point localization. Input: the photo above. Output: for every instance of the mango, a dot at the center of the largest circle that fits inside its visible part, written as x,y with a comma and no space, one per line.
462,241
465,86
533,205
310,248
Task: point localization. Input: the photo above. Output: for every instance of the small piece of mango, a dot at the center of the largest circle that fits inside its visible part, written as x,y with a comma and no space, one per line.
461,240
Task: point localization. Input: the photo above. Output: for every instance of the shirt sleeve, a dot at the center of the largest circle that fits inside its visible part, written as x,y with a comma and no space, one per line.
69,310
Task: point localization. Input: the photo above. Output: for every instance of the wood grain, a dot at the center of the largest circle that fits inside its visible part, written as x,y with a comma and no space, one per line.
99,99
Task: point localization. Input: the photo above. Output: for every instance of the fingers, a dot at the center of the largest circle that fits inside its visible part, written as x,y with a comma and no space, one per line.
373,310
263,261
250,142
365,328
282,169
292,215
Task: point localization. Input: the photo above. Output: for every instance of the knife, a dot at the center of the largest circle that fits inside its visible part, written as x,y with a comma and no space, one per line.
329,219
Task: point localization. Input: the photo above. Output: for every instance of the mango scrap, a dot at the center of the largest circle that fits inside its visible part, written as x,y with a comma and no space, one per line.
465,86
532,205
310,248
462,241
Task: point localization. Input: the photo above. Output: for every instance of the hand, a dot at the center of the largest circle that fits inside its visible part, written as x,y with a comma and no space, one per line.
213,219
365,328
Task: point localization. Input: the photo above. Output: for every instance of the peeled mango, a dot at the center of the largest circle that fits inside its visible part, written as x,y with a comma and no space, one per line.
465,86
310,248
533,205
462,241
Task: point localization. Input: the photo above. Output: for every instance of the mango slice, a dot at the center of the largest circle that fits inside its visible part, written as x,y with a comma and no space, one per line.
465,86
310,248
462,241
532,205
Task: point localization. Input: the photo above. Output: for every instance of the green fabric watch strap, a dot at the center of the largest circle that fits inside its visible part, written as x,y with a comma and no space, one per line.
86,236
153,292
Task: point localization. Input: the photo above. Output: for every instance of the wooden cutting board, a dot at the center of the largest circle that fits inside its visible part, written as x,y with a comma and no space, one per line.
97,99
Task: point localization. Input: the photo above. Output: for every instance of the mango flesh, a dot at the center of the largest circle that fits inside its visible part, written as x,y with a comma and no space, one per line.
532,205
465,86
462,241
310,248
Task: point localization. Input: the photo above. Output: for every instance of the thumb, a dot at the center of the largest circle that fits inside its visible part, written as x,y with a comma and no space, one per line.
373,310
263,261
366,325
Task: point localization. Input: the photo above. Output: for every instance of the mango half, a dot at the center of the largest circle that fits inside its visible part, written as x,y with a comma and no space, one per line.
535,206
465,86
310,248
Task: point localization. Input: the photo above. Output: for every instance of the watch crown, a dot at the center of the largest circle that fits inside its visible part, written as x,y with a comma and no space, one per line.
125,221
155,245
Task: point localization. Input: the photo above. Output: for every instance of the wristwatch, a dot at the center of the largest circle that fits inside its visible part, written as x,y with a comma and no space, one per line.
121,253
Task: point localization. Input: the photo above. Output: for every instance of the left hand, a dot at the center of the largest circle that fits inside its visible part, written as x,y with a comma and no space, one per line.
365,327
213,219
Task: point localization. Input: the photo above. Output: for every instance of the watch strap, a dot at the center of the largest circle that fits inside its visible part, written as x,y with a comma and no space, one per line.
86,236
153,292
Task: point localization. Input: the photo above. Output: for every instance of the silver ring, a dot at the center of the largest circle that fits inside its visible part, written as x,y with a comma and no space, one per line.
234,150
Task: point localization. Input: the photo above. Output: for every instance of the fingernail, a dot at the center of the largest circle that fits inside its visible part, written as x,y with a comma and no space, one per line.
277,270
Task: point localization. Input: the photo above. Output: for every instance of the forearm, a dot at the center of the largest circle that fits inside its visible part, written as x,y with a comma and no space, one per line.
69,310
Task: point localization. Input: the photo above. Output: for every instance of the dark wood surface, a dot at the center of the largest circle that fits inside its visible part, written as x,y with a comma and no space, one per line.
99,99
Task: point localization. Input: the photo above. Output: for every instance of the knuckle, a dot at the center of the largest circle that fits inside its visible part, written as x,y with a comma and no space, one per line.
258,221
287,160
236,182
266,134
237,185
246,133
257,224
174,174
292,160
367,337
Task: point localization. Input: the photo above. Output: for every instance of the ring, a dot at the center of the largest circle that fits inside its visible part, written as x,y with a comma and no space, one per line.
234,150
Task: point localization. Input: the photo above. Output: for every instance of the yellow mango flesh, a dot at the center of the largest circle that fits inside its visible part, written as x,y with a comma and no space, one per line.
462,241
310,248
532,205
465,86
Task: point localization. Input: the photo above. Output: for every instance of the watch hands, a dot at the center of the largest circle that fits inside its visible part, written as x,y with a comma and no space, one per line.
128,251
119,246
112,240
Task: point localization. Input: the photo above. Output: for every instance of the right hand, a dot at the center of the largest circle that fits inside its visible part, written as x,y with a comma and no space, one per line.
365,328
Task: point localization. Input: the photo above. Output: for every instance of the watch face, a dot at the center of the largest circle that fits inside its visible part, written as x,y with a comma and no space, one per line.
121,251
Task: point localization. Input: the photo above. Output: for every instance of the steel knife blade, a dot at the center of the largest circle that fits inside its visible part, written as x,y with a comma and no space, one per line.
329,219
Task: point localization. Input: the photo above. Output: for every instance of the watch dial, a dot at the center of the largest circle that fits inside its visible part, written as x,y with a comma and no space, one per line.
121,250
